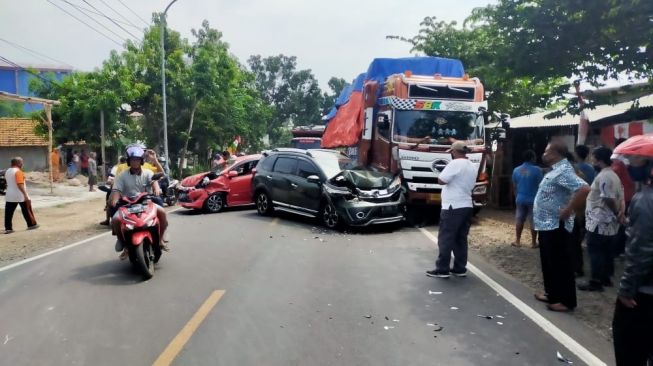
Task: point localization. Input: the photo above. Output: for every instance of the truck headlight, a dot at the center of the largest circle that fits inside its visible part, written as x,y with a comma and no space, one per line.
395,185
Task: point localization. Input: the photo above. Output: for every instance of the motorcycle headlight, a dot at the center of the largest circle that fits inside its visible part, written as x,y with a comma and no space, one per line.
150,222
129,226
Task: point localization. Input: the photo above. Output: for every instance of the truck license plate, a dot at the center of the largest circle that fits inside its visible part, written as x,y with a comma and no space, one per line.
434,197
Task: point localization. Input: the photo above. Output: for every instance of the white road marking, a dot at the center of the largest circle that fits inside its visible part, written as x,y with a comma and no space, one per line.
563,338
69,246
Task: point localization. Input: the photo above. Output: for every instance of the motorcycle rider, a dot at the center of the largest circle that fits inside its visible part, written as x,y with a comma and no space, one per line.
132,182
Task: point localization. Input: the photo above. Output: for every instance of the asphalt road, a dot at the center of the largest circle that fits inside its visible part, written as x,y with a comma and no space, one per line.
293,295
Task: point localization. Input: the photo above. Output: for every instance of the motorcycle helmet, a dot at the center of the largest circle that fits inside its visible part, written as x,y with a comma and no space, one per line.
135,151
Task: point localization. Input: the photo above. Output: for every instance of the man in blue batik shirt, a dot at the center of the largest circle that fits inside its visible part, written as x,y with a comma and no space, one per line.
560,194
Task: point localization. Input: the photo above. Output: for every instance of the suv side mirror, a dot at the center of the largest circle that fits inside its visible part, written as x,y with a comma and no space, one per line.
232,173
313,179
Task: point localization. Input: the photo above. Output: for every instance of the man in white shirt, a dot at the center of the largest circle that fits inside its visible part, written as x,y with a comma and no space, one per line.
17,196
458,178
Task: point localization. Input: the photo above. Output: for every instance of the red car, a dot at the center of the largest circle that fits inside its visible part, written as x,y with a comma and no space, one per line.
213,191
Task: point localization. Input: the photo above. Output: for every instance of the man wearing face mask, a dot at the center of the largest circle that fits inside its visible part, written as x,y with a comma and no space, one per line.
603,214
633,315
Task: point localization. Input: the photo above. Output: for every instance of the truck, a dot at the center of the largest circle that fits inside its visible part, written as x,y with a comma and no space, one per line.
402,116
307,137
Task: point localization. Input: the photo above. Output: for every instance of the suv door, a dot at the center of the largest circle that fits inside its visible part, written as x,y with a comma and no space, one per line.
305,195
280,188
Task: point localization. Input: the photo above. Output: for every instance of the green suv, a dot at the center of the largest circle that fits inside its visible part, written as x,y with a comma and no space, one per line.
326,184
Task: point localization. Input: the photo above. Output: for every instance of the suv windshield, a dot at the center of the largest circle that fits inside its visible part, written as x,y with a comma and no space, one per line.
332,163
436,127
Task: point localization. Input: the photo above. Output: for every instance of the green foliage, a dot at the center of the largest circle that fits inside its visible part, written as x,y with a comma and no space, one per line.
293,95
329,99
526,51
11,109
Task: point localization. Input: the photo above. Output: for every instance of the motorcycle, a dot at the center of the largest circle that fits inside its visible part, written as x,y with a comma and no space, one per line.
169,190
3,182
140,230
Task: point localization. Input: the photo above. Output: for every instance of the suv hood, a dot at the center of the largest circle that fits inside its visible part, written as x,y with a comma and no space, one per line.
363,179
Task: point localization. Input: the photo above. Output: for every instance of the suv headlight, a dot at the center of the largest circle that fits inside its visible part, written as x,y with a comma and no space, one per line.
338,191
395,185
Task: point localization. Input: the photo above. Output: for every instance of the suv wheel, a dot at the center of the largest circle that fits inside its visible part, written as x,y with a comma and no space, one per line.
329,216
263,203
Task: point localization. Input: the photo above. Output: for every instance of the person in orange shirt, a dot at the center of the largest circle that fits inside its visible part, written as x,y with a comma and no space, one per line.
54,160
17,195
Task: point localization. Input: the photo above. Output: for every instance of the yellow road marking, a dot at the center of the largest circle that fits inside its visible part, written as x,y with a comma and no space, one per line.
274,221
175,346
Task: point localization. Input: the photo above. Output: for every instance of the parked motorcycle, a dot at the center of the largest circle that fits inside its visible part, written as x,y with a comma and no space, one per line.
3,182
140,229
169,190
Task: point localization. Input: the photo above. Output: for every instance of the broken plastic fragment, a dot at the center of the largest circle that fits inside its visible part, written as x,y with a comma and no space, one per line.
484,316
435,292
367,316
388,327
395,320
563,359
454,308
430,324
500,316
386,318
439,328
500,323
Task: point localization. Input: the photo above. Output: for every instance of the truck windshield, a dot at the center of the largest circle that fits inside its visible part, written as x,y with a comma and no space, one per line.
436,127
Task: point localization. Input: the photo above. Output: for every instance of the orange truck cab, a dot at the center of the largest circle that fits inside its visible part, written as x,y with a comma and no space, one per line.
408,122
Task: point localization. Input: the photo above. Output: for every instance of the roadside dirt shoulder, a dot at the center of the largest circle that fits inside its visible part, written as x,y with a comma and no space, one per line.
60,225
491,236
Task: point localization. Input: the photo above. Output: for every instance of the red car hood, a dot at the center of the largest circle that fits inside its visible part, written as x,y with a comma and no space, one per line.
194,180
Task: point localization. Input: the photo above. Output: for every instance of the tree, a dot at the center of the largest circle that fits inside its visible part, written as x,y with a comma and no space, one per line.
527,52
11,109
294,95
329,99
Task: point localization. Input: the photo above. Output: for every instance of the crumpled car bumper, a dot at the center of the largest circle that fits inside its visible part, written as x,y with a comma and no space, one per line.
358,212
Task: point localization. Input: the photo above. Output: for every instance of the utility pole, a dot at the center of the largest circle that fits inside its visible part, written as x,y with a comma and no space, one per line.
163,86
104,161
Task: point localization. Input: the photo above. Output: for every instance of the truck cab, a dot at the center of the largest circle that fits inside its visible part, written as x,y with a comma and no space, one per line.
413,124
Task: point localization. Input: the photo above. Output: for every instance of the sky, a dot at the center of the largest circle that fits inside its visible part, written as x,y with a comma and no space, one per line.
332,38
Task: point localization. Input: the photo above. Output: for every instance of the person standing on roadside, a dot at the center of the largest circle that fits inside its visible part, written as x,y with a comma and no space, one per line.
603,214
560,194
458,178
588,173
83,164
17,196
525,178
633,314
92,172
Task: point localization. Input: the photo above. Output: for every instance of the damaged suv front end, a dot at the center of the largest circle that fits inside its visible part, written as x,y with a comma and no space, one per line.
363,197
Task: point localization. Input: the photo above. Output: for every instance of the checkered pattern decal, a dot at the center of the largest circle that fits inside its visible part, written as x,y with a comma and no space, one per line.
398,103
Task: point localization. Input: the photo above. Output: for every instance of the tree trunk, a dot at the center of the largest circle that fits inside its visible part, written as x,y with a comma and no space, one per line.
182,160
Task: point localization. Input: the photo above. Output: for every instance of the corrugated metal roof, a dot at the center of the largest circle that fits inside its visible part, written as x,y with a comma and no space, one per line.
603,111
19,132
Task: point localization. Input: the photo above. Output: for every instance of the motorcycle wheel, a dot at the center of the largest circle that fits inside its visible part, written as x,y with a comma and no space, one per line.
143,262
171,200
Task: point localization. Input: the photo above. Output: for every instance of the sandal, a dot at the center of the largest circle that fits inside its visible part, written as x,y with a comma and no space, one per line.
541,297
124,255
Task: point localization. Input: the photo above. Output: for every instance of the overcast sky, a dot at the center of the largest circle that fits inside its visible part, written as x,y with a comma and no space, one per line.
332,38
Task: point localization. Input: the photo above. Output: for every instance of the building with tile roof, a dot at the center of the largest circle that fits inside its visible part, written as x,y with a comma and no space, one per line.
18,137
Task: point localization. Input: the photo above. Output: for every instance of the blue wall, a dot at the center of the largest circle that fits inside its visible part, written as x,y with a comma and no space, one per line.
10,78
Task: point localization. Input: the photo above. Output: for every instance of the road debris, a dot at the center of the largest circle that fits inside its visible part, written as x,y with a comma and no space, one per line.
500,323
395,320
485,316
438,329
386,318
367,316
563,359
453,308
388,327
431,324
435,292
500,316
7,339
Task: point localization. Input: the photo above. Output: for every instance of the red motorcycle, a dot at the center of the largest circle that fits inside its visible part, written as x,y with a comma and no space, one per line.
140,229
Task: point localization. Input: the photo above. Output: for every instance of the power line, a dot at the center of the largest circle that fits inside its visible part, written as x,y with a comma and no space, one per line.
86,24
79,7
96,21
111,20
119,14
38,75
36,53
133,12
